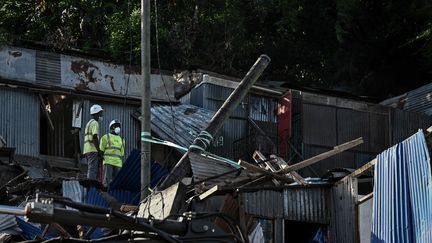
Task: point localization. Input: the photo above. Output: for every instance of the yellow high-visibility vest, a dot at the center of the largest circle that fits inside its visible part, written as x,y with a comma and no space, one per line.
91,129
113,148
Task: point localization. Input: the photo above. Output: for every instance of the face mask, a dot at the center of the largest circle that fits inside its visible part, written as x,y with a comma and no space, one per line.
117,130
101,118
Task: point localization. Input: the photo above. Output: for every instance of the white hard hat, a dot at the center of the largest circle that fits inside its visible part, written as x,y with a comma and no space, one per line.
115,121
95,109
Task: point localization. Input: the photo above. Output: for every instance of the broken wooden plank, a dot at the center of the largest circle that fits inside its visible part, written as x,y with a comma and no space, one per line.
254,168
259,157
164,203
208,192
336,150
129,208
282,164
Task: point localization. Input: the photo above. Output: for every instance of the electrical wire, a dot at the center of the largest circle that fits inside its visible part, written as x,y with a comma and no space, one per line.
162,78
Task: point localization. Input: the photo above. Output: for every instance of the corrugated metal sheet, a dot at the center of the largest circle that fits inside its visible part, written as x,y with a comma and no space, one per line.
127,197
235,130
73,190
319,125
129,177
204,167
19,122
189,121
48,67
307,204
405,123
94,198
403,172
130,127
8,224
416,100
30,231
264,203
263,109
352,124
343,211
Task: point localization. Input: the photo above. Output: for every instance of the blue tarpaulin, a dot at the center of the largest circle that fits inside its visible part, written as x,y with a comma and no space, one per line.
402,202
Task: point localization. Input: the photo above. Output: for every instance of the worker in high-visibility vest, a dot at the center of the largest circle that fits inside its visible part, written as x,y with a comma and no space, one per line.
91,142
112,146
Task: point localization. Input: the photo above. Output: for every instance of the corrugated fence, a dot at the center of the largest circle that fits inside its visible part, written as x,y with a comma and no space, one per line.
402,203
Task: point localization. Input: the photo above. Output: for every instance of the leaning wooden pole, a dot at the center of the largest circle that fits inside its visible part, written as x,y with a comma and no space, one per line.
203,140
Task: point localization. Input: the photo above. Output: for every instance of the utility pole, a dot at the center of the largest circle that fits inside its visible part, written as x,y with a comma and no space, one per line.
183,166
146,96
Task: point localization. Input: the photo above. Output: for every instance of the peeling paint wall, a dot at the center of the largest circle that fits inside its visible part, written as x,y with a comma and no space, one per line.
17,64
81,74
84,74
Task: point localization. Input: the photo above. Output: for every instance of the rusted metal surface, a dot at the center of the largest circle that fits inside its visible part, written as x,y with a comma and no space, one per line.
85,74
19,120
17,64
79,74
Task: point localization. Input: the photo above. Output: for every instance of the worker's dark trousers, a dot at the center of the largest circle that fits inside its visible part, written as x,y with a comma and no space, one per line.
110,172
92,165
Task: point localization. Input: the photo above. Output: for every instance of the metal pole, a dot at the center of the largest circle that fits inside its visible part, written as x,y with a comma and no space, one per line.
183,166
146,95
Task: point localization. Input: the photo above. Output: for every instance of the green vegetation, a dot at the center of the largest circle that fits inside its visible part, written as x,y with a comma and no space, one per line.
372,48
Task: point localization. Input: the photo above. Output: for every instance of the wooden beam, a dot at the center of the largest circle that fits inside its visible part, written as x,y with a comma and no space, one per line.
208,192
42,103
265,172
360,171
336,150
365,198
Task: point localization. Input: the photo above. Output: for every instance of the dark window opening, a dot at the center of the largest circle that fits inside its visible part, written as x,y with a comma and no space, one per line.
56,138
302,232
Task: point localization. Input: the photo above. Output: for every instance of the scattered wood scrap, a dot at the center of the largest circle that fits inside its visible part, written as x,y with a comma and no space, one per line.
164,203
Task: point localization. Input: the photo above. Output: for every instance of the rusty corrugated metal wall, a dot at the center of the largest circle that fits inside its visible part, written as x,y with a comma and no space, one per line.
19,120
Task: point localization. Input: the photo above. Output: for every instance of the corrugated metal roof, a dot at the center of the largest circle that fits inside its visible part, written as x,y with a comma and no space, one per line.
307,204
189,122
205,167
415,100
403,172
19,122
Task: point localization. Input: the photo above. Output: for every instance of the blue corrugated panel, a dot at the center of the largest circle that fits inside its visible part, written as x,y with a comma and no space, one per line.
129,177
29,230
94,198
402,206
126,197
